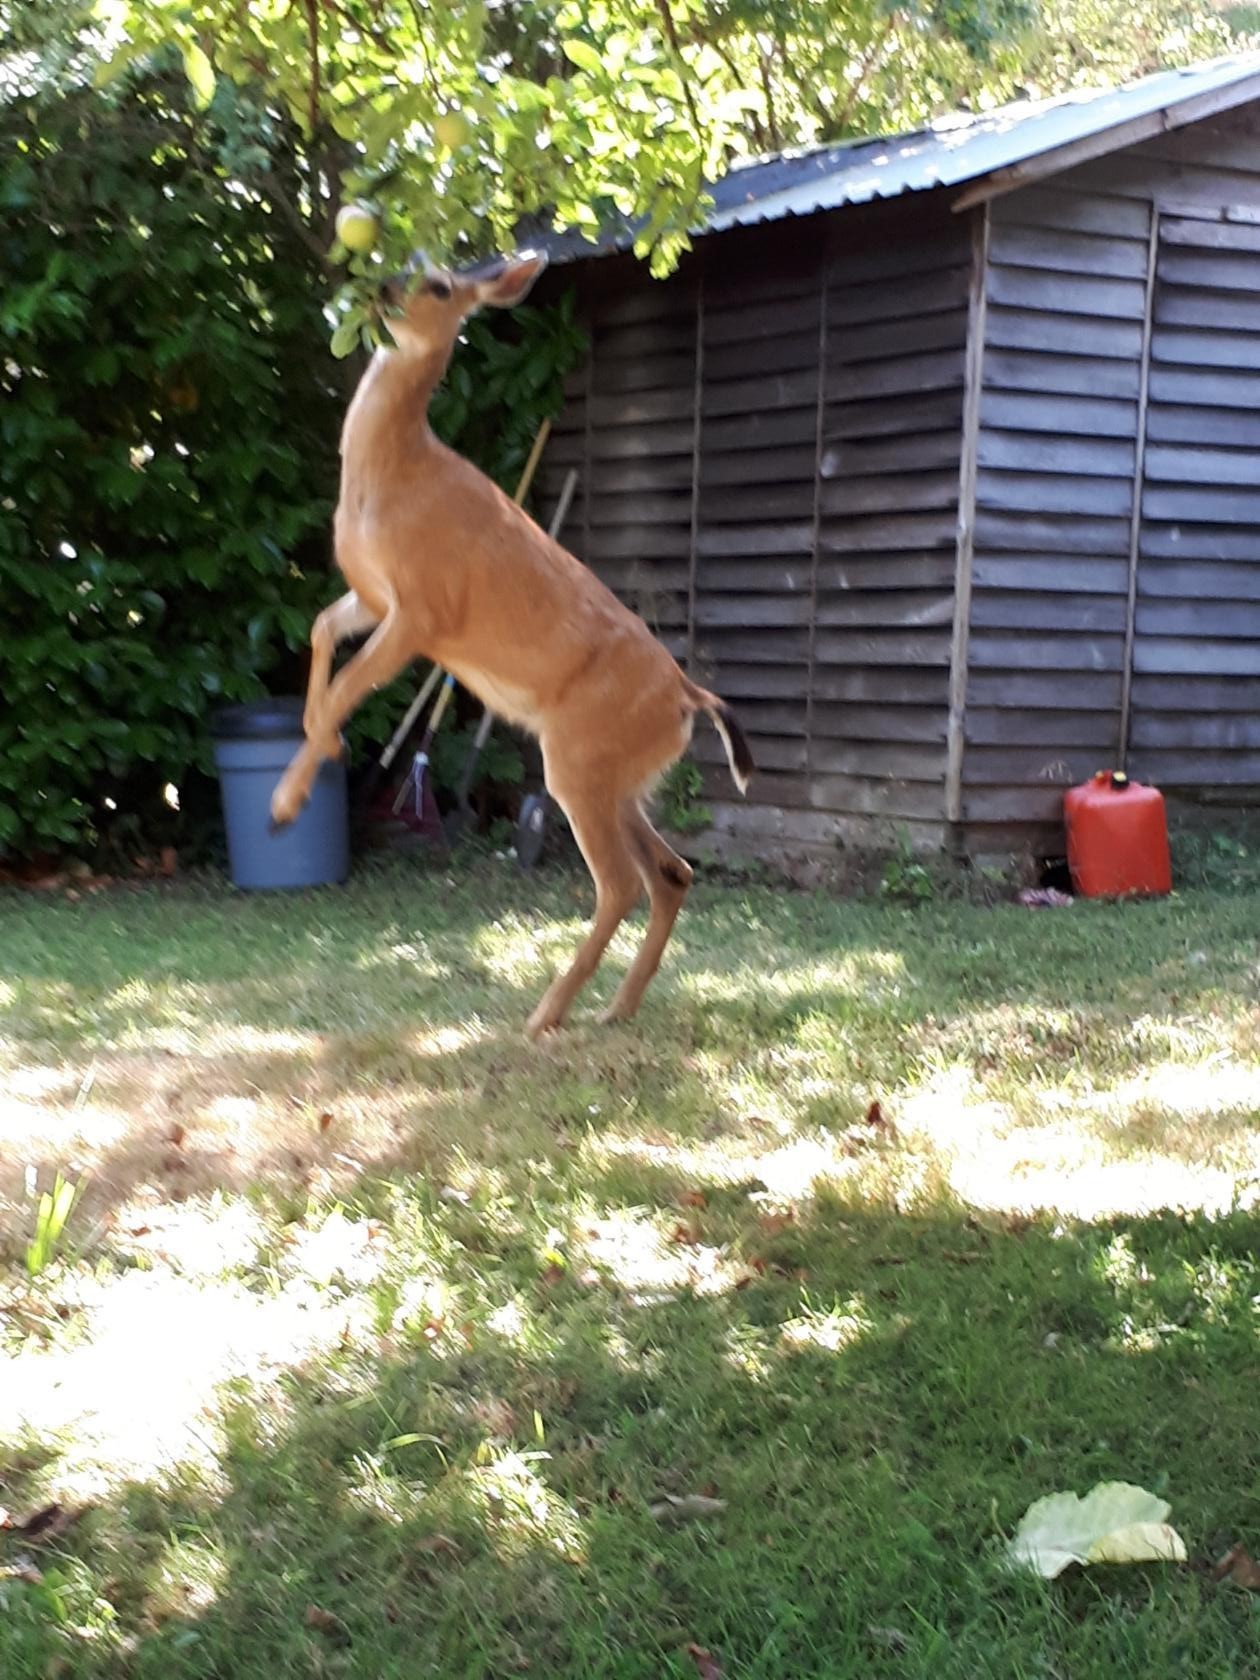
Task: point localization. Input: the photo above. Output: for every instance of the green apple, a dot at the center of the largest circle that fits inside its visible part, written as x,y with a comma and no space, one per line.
357,228
452,130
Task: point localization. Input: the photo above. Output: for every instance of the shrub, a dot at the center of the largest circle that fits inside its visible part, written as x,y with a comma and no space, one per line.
168,430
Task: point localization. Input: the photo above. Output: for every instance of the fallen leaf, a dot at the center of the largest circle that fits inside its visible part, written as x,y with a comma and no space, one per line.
45,1524
892,1639
1115,1523
323,1621
773,1223
1239,1567
325,1120
685,1235
391,1610
438,1543
707,1665
693,1199
875,1115
686,1507
553,1275
177,1135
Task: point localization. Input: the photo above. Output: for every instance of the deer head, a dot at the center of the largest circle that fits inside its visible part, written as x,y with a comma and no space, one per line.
426,305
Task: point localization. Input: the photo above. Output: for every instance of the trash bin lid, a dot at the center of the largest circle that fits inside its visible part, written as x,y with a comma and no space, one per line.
276,717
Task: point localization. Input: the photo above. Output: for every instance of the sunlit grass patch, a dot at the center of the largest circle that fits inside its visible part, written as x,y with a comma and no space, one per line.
874,1226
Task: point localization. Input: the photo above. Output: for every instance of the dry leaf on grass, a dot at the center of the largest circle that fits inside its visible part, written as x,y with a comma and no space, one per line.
1239,1567
325,1120
438,1543
693,1199
1115,1523
707,1665
45,1524
332,1627
686,1507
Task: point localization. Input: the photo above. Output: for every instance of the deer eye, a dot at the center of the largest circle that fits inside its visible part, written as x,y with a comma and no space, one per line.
440,289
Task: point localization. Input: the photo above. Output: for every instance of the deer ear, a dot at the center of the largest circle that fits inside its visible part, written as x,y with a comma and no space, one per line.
512,284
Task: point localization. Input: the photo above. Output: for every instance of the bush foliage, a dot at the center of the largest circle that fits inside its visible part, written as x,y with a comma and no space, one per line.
169,427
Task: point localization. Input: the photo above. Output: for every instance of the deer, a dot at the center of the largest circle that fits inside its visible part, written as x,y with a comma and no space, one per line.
443,566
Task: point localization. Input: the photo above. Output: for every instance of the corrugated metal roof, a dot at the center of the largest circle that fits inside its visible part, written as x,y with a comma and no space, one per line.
951,152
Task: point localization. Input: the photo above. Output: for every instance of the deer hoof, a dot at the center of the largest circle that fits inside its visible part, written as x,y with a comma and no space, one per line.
284,808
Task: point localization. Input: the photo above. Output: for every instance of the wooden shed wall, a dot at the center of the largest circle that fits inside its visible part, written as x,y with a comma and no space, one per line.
1116,567
769,448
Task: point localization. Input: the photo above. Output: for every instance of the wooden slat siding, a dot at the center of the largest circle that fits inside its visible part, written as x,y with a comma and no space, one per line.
637,465
1056,452
1196,626
890,440
755,507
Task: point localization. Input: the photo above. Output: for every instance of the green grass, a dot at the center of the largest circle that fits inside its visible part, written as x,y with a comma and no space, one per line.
366,1305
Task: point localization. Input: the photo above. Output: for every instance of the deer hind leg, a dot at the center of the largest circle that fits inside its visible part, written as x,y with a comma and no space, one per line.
667,878
381,657
338,623
599,829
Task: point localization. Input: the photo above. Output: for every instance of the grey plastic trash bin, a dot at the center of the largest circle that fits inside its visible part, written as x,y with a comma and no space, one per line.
253,744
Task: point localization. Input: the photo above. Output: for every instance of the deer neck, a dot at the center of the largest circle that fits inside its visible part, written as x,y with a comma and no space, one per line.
387,422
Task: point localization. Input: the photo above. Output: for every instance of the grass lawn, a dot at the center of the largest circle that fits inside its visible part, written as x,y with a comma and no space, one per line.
382,1344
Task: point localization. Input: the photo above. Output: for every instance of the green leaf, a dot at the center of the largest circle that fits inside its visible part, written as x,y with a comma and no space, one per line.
1115,1523
347,334
585,56
200,73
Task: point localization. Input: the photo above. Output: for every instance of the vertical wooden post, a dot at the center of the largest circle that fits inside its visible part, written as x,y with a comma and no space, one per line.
697,443
819,429
588,397
960,641
1139,476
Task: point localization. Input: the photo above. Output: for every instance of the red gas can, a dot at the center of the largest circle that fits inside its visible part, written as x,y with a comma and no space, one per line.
1117,837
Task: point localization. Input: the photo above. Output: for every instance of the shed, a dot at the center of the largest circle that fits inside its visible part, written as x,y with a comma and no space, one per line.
938,457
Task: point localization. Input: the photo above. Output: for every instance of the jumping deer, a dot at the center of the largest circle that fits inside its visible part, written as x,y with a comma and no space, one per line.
442,565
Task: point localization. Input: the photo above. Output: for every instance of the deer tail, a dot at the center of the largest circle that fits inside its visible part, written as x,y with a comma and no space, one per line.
738,754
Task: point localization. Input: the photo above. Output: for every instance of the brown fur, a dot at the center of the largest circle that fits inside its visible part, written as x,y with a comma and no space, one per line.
448,568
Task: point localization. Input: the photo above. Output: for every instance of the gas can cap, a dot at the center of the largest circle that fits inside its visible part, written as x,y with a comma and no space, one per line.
1119,779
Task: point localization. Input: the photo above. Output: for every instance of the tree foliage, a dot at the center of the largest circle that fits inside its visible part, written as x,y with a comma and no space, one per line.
460,117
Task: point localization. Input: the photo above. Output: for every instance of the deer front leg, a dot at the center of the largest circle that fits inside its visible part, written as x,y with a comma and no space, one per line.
381,657
599,829
338,623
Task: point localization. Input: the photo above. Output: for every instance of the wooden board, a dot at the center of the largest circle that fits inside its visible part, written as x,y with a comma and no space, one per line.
1031,452
1050,493
1076,294
893,416
915,452
1051,574
1061,203
1073,417
995,650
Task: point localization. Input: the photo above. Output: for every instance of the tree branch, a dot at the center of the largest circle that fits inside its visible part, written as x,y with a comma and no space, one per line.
294,217
684,71
864,69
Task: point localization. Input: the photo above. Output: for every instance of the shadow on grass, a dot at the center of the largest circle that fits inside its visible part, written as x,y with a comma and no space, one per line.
476,1499
368,1030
